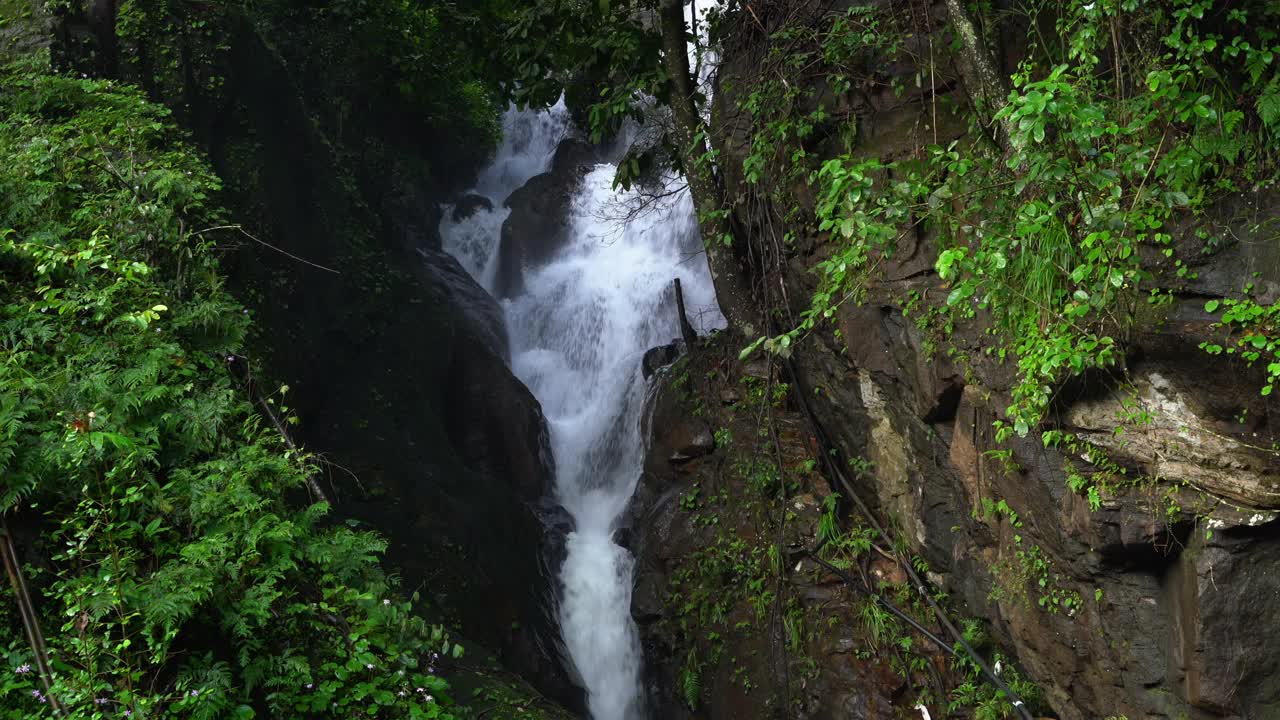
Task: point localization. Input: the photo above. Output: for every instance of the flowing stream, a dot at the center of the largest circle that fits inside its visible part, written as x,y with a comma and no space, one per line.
578,333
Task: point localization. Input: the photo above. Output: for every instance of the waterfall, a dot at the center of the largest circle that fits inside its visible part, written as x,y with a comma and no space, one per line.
578,332
529,141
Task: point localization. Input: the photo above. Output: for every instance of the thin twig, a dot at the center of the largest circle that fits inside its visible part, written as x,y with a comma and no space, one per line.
264,243
921,588
26,609
312,484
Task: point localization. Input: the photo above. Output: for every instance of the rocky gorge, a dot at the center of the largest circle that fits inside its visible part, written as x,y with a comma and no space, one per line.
826,512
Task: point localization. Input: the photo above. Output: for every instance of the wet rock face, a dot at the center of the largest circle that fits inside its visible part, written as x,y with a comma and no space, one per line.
536,227
1168,614
453,461
500,513
1226,642
483,315
1207,456
697,615
1141,590
1156,595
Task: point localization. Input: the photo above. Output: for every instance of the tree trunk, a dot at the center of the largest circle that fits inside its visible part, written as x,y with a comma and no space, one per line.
988,87
732,289
101,15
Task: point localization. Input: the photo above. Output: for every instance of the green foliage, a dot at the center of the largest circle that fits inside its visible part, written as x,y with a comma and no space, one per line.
1255,334
842,548
691,681
180,576
1106,470
869,222
977,695
1024,567
1055,242
555,47
787,107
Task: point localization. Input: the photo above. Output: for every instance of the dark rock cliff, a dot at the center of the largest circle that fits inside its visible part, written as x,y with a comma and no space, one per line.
721,639
1153,605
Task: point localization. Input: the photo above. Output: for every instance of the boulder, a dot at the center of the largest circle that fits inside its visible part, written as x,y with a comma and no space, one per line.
483,315
536,228
690,439
659,357
468,205
573,158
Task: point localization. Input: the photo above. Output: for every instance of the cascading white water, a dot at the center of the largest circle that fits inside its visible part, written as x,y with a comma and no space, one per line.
529,142
578,333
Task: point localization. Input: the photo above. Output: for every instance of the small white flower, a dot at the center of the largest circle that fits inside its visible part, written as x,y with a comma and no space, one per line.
386,602
368,666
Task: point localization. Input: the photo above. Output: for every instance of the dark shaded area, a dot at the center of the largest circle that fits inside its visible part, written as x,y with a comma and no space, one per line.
396,360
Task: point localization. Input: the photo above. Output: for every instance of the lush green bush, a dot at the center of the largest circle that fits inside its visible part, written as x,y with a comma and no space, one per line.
180,569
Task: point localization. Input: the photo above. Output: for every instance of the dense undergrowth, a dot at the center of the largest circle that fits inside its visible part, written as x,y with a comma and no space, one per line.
765,536
182,570
178,556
